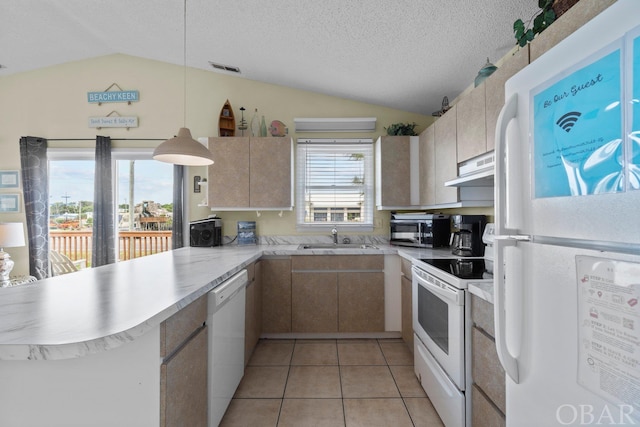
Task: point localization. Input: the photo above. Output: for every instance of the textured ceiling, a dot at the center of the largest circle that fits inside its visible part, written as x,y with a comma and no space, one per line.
403,54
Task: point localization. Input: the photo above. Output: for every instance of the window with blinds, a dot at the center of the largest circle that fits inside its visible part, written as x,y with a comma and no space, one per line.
335,183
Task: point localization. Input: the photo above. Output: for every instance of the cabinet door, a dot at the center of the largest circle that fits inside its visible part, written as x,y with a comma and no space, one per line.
257,313
446,157
482,315
483,412
407,309
270,165
276,295
228,180
176,329
183,385
360,302
393,162
471,124
427,166
487,372
250,338
314,302
494,90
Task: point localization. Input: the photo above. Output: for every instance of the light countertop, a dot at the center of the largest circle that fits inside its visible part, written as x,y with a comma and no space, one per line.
483,290
100,308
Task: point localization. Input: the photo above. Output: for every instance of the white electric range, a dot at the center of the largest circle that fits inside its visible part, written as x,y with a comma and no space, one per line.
442,327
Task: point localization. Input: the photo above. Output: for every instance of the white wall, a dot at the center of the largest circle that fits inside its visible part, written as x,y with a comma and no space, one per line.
52,103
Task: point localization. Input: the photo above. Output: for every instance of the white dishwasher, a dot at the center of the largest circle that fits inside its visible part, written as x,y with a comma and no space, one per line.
225,317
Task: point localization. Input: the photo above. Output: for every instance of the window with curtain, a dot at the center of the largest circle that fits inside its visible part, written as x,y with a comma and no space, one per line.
335,183
143,191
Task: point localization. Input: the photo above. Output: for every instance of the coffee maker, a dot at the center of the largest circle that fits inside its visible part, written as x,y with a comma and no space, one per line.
466,239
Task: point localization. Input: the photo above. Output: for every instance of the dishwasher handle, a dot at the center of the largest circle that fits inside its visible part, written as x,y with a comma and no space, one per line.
227,290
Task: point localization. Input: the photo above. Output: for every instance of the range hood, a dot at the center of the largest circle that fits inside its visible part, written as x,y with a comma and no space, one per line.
476,172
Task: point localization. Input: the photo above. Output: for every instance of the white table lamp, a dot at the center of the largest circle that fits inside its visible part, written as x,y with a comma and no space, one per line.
11,236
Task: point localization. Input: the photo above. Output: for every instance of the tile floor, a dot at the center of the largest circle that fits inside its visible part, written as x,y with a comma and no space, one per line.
330,383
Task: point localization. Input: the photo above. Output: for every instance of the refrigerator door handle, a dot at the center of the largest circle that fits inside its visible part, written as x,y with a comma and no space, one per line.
509,363
509,111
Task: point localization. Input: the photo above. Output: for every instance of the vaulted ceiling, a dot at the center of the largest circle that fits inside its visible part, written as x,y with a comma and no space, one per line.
403,54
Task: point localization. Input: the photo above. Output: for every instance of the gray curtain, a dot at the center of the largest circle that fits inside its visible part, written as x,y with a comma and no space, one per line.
35,185
176,231
103,242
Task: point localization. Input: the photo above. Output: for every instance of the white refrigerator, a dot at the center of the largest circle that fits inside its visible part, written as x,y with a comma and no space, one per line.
567,261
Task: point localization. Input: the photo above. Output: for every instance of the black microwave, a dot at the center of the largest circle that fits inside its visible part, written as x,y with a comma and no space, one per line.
420,230
205,232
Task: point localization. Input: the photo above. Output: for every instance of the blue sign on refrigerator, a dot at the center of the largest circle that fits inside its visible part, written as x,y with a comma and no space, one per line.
578,146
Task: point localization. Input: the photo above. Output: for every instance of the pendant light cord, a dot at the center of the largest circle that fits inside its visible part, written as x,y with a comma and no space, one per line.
184,61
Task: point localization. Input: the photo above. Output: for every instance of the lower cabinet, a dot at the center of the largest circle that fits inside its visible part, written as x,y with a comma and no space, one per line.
314,302
488,393
253,310
323,294
361,302
276,294
183,372
407,307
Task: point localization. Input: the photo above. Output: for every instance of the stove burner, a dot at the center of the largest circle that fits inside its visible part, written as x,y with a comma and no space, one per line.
459,267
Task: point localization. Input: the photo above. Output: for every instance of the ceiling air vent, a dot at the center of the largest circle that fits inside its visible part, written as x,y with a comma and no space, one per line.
223,67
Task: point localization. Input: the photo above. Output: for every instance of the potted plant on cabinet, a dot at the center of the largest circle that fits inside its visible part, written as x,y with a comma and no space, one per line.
550,10
402,129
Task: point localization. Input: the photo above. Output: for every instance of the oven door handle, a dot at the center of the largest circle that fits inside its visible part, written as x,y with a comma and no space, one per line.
449,294
405,235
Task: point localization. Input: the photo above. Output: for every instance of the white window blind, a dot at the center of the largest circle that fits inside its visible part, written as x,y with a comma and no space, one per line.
335,183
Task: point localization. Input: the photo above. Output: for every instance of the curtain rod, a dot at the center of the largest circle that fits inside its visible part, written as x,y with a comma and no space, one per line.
113,139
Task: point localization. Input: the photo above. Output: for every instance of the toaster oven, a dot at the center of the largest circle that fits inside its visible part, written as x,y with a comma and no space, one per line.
205,232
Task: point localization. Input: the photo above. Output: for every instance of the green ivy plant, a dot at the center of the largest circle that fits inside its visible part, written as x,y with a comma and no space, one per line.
402,129
541,21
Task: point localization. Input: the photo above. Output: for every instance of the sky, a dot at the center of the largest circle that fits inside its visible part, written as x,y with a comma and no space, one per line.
74,178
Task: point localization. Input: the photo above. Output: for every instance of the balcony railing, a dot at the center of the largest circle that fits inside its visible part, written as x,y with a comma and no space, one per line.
131,244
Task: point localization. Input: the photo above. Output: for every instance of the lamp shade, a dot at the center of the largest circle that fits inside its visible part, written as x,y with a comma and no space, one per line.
11,234
183,150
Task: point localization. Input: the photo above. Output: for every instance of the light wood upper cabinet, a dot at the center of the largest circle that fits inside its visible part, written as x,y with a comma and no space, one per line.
270,176
397,172
579,14
471,124
250,173
494,91
446,167
427,151
228,181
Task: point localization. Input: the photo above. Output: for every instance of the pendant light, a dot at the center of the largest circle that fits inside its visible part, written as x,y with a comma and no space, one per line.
183,149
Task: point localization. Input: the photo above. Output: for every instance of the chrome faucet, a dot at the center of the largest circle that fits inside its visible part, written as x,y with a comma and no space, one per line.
334,233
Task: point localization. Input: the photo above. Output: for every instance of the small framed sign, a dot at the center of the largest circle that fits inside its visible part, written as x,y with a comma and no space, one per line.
247,233
9,179
9,203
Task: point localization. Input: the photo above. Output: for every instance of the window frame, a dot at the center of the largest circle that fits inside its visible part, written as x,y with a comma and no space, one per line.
361,145
82,153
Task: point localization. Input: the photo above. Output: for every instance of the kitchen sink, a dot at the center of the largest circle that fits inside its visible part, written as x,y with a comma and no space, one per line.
337,246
